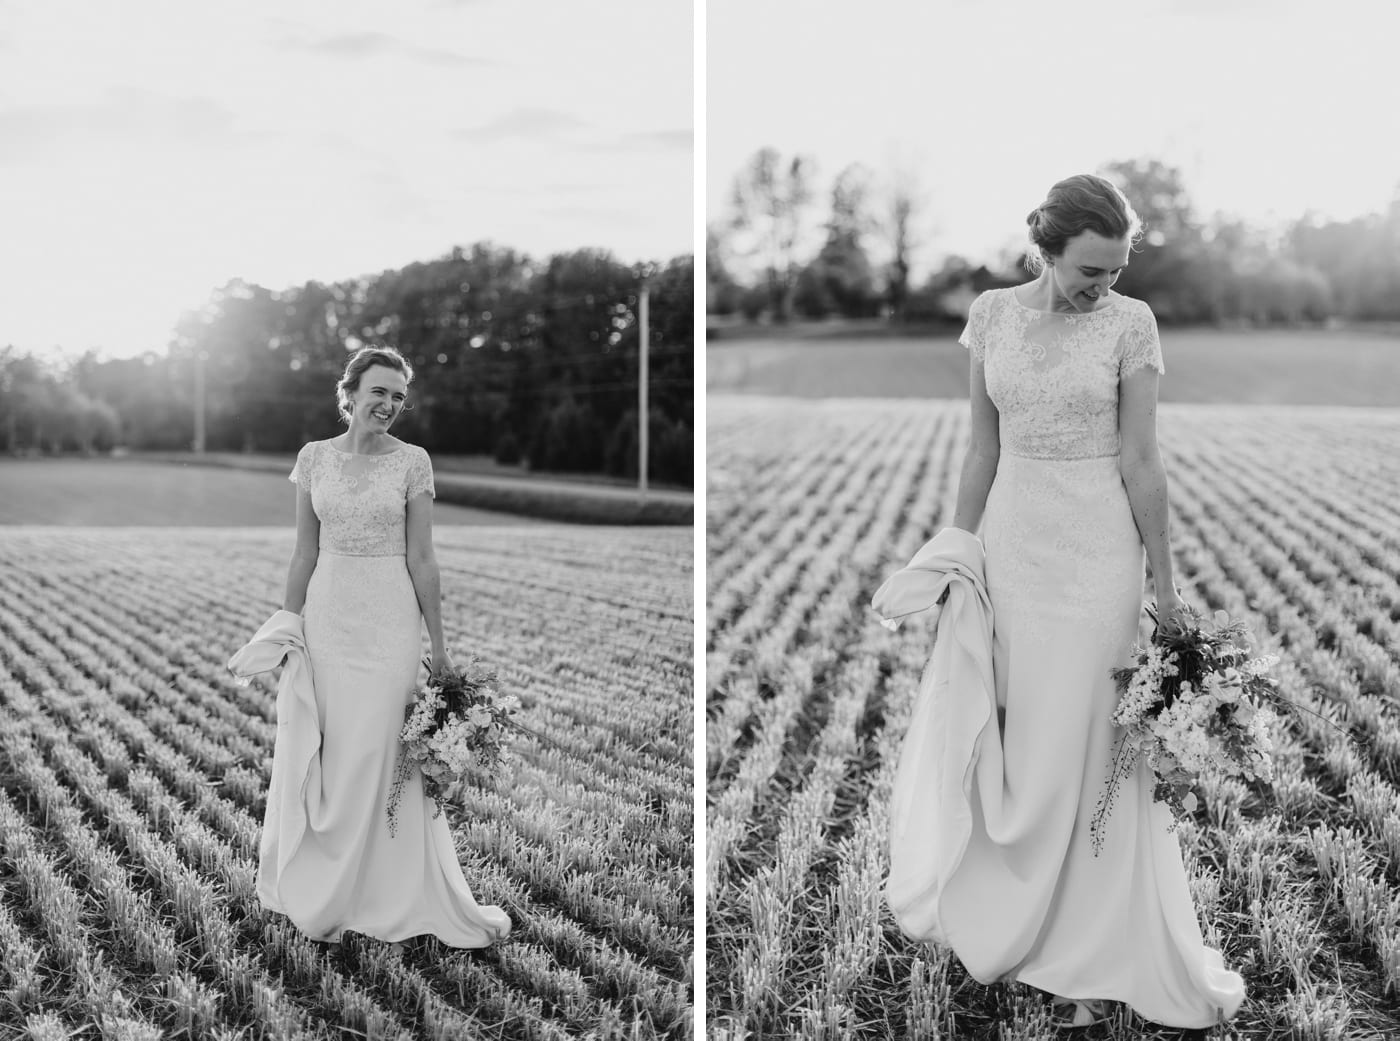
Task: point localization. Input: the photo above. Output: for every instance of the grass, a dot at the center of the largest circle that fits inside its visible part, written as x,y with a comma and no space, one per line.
110,493
1294,367
483,485
256,492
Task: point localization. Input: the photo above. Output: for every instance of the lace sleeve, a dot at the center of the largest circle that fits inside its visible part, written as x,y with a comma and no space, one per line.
974,335
420,474
301,469
1140,344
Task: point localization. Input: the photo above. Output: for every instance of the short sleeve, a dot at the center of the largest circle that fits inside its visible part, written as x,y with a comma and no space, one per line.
974,334
301,469
420,474
1140,344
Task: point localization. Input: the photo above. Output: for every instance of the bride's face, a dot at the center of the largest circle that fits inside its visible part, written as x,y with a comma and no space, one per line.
379,398
1089,265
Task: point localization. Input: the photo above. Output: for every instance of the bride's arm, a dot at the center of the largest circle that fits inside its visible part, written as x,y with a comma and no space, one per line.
304,556
983,454
423,568
1144,476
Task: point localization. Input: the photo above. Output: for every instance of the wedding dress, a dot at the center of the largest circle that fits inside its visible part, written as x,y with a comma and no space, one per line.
1027,898
363,634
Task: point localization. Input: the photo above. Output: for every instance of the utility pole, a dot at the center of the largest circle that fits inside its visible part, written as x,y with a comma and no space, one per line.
642,424
199,401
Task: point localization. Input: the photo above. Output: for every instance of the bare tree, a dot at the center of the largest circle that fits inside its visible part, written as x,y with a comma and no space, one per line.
906,203
769,202
842,269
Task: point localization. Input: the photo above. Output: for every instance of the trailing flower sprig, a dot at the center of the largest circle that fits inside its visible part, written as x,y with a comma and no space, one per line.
455,731
1196,698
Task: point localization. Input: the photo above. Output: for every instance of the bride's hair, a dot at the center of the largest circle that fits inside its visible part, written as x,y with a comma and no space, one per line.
1084,202
355,368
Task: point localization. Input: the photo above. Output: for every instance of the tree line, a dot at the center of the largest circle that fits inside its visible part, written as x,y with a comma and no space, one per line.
532,362
1190,269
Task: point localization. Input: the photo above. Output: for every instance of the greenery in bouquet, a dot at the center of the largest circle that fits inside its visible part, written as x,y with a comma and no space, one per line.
1196,698
454,730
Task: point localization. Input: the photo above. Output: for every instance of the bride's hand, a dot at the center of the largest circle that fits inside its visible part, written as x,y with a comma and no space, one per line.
441,662
1170,608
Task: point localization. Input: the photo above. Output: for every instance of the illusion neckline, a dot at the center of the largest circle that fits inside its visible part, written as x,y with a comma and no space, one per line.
1112,304
365,455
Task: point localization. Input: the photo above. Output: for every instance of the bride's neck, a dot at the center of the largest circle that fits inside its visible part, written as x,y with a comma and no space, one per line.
365,442
1043,296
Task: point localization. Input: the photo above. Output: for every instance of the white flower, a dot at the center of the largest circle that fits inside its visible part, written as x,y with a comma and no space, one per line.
1259,666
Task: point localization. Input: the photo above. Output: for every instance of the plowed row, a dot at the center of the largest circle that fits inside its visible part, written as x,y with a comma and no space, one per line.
1286,517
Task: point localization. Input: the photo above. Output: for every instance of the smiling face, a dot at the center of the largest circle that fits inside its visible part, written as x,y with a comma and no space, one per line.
1081,276
379,398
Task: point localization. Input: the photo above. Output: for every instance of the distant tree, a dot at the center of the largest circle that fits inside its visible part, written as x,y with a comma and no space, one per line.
94,425
1158,194
670,452
25,387
946,294
1360,258
527,361
44,409
568,437
904,203
768,208
11,392
841,276
672,360
753,301
249,406
810,297
152,397
1169,261
589,305
722,291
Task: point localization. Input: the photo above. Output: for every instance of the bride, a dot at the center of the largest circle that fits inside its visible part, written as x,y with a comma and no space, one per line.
1064,476
365,580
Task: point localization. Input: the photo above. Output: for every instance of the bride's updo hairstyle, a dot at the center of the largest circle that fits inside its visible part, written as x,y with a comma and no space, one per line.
1084,202
355,368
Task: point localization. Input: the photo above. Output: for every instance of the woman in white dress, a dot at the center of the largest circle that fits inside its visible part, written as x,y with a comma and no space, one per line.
364,577
1064,477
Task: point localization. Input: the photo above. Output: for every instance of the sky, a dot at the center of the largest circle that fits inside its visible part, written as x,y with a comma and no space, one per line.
1269,108
152,150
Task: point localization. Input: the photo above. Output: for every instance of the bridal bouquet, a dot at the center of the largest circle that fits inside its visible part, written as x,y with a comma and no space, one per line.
455,726
1197,697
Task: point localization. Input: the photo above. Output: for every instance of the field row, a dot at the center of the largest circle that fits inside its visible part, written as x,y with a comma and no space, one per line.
136,770
1280,517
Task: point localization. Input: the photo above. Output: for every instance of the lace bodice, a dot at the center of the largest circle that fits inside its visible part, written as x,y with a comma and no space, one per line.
361,499
1054,377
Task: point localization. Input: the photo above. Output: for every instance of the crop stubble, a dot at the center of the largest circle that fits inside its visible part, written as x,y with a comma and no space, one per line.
1286,517
135,771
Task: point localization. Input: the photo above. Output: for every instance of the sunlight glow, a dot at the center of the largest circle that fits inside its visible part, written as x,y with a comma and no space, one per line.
157,149
1269,109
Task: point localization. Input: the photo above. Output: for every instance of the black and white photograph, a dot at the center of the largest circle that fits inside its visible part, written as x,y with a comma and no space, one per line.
347,443
1052,632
